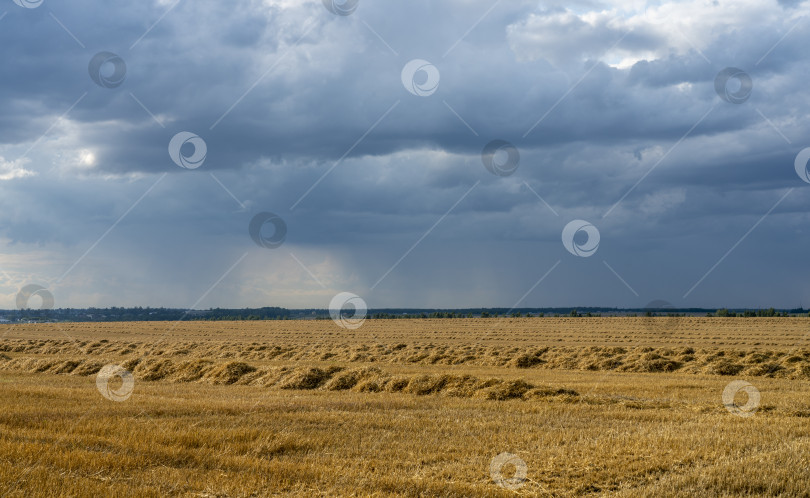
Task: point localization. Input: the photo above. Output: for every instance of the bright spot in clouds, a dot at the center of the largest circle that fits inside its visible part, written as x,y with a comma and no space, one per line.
87,158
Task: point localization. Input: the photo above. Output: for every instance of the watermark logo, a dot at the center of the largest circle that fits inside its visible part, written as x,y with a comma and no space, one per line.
107,70
500,157
571,238
29,4
106,374
25,294
750,406
654,15
660,317
800,164
262,239
348,310
341,7
496,467
420,77
733,85
185,160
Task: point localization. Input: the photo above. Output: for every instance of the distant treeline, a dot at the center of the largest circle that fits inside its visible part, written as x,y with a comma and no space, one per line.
140,314
117,314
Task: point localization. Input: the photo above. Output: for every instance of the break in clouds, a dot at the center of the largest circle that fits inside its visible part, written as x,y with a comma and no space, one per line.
417,154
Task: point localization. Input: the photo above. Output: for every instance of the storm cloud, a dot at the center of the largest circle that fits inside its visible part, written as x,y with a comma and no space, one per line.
612,107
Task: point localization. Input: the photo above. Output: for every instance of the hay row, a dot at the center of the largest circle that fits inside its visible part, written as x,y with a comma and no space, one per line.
712,361
365,379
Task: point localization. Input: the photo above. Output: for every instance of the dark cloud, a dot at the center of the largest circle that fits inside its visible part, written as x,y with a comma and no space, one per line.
304,115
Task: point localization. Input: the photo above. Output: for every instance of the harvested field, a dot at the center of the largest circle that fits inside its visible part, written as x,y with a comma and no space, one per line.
614,406
758,347
752,333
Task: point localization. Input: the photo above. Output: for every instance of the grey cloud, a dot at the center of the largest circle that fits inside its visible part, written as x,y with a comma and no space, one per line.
604,130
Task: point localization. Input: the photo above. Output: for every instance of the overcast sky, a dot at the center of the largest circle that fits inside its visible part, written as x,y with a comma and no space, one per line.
454,153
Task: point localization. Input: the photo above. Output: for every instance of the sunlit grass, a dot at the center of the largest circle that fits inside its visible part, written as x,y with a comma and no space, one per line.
224,413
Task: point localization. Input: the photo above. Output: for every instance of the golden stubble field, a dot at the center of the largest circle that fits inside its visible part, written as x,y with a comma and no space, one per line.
466,407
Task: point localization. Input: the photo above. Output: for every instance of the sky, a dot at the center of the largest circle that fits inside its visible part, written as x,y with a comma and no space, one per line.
429,154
